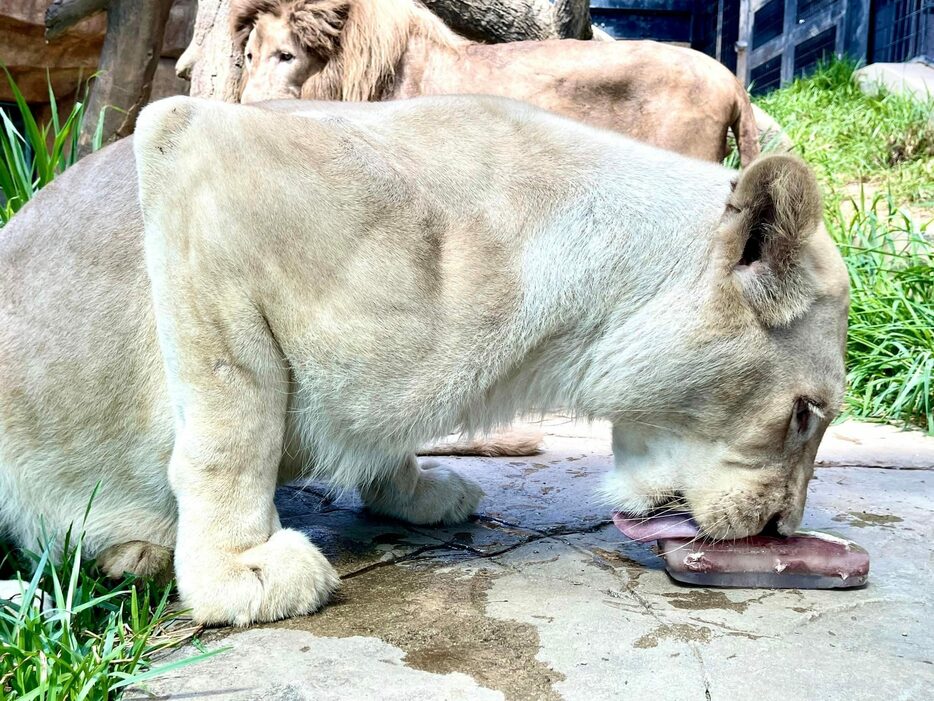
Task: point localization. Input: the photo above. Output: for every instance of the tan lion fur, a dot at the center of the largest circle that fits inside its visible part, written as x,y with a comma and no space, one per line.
369,50
502,444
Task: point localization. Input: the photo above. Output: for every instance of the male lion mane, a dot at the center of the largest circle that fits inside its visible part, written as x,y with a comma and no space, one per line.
363,42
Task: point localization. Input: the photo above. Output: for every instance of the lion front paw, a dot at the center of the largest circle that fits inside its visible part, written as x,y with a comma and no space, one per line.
440,495
285,576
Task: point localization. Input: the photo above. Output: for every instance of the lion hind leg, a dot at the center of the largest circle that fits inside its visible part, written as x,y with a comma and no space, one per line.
137,557
503,444
426,493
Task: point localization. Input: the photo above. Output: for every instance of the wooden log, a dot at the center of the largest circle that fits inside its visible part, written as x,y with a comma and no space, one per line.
135,30
497,21
61,15
572,19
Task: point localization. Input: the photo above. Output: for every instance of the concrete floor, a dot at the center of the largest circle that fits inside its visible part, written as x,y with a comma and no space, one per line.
540,597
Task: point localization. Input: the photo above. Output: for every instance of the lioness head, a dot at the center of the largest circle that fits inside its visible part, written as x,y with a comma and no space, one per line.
284,43
730,426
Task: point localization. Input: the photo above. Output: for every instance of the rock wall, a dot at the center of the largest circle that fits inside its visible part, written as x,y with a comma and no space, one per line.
72,58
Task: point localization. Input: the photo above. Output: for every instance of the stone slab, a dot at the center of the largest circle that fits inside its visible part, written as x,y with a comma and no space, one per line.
610,620
913,79
290,665
876,445
539,597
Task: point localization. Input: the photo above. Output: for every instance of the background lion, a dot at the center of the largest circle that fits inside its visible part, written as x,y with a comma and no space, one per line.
672,97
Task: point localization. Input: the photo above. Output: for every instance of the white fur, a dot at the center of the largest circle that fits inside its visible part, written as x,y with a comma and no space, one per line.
334,288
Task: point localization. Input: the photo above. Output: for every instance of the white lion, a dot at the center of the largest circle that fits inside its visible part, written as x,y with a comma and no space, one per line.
334,287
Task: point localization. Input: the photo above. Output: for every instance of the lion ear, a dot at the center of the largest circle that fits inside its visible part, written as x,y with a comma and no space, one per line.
777,206
318,25
243,14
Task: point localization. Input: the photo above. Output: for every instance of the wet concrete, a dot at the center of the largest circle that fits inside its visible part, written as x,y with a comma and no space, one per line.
438,618
540,597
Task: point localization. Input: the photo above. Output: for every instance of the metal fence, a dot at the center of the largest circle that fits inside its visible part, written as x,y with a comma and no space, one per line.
779,40
687,22
901,30
770,42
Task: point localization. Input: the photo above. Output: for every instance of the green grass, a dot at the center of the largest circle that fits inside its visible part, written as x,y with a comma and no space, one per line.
886,141
890,344
91,639
32,155
875,159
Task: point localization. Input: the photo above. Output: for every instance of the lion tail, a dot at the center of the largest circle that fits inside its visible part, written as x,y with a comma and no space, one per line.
499,445
745,130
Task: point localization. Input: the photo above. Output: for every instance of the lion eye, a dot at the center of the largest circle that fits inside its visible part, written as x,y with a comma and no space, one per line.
285,57
249,56
807,414
802,415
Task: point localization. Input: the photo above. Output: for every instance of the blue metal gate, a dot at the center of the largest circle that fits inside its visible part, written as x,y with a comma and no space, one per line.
901,30
689,22
784,39
770,42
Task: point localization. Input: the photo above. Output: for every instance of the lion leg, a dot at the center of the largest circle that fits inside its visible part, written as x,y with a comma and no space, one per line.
234,562
137,557
425,493
502,444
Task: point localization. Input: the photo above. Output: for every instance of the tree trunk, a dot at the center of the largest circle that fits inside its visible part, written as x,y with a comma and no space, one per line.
210,61
572,19
61,15
497,21
135,29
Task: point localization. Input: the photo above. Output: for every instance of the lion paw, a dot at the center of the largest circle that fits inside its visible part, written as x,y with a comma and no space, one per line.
285,576
441,495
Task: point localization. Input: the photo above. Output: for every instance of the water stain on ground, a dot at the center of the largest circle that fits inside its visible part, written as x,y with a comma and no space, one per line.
864,519
533,468
681,632
704,600
440,621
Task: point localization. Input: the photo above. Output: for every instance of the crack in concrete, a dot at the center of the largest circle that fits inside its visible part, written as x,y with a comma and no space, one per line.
548,531
628,583
645,604
483,518
392,561
813,615
729,630
418,554
629,587
705,676
556,534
